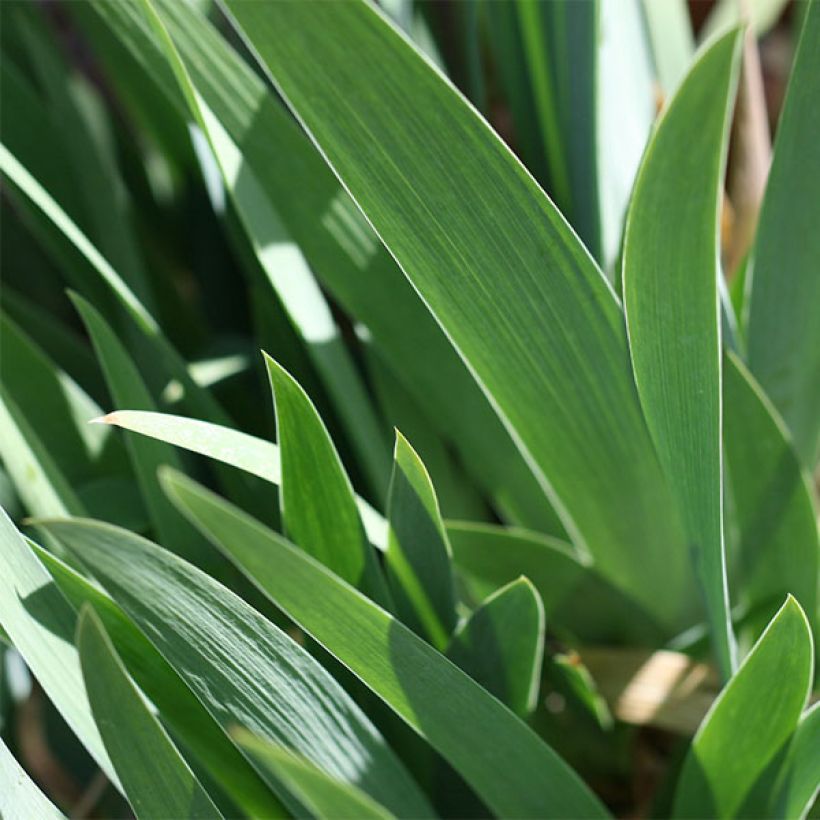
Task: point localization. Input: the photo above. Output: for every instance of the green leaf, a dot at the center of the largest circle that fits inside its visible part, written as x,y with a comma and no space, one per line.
751,720
20,798
40,623
772,499
322,795
288,273
241,667
340,246
39,482
494,556
56,407
418,560
670,272
797,785
128,390
782,332
501,645
248,453
507,765
673,44
177,705
318,506
550,350
157,781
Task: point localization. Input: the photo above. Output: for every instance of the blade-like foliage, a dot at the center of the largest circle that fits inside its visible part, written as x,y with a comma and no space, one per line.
750,721
671,303
248,453
778,547
40,623
507,765
418,561
473,232
287,271
501,645
320,793
178,706
245,670
493,557
783,333
338,243
156,779
318,506
20,798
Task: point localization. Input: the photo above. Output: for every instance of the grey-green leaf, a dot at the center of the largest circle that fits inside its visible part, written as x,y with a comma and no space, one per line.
157,780
501,645
243,669
778,545
508,766
40,623
418,560
500,269
670,275
320,793
176,703
751,720
783,334
318,506
20,797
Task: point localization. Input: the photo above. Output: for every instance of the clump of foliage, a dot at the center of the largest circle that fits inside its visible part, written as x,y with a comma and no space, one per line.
580,581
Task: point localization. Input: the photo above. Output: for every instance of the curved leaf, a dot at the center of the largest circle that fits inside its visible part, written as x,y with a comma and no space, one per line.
242,668
323,795
178,706
670,275
783,333
318,505
418,560
248,453
501,645
40,623
507,765
157,781
751,720
499,268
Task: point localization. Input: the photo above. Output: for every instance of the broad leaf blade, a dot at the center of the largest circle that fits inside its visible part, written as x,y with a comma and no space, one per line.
128,390
20,798
340,247
156,779
671,303
323,795
418,560
40,623
318,506
248,453
501,645
493,557
507,765
783,334
243,669
499,268
750,721
772,501
176,703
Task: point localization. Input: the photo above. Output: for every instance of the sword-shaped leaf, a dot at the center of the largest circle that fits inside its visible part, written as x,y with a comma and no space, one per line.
509,767
156,779
670,277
